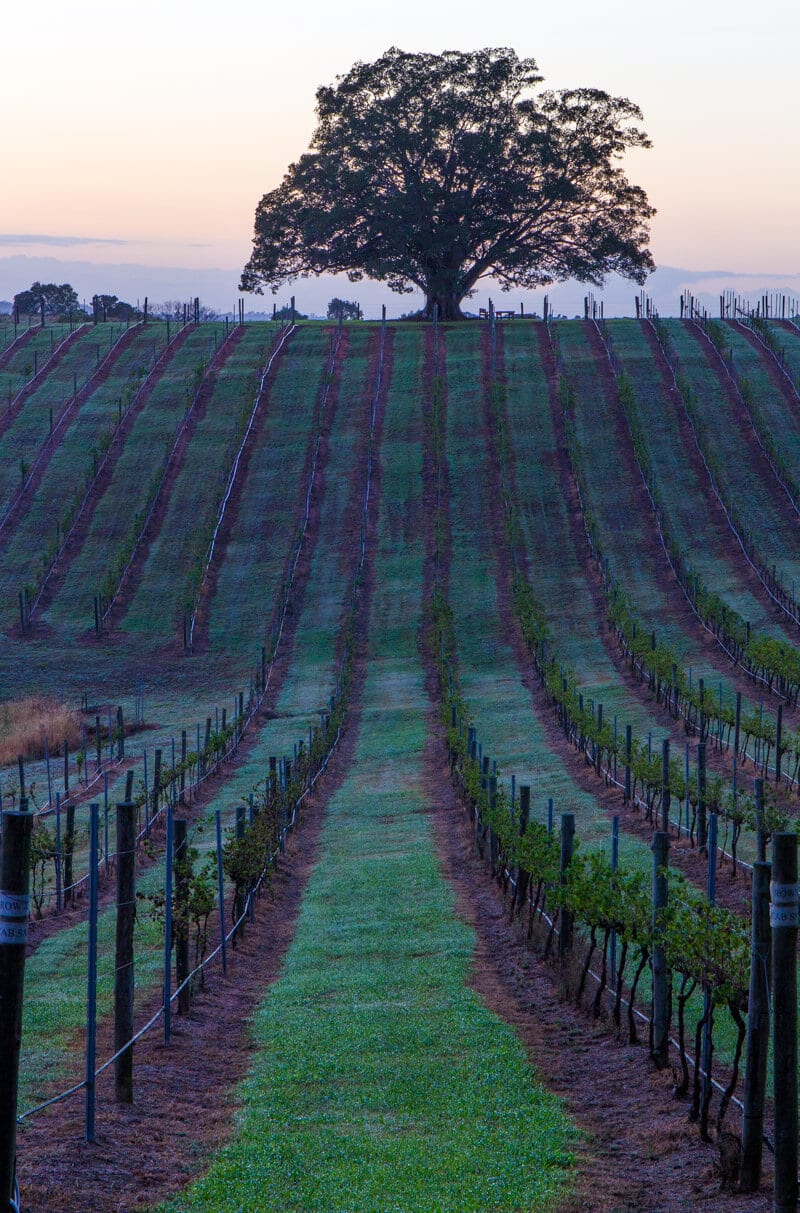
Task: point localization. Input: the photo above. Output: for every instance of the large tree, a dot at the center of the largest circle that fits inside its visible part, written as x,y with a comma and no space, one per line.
58,300
434,171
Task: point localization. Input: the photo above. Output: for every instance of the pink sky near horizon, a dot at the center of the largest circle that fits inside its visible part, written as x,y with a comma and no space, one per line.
162,126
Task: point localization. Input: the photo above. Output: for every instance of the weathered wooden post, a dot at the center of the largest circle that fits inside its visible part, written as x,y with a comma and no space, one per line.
123,965
702,825
183,875
184,751
91,974
565,916
69,851
761,845
156,791
223,943
598,749
755,1078
17,827
665,789
169,864
521,890
661,975
783,919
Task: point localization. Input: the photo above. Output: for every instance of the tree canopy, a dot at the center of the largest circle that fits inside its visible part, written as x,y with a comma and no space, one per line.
58,300
433,171
344,309
111,307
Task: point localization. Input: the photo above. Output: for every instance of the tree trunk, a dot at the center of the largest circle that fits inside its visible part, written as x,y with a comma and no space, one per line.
448,300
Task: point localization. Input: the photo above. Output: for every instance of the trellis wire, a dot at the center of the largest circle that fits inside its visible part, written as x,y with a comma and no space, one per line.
144,385
212,366
68,407
232,478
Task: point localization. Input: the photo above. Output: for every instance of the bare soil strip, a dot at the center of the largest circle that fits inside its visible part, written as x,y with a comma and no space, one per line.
185,1094
98,489
10,414
67,416
234,504
675,608
722,537
640,1151
134,574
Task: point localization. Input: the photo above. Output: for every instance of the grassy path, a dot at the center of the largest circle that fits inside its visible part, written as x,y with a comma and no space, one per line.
745,479
251,562
556,566
26,435
34,352
56,975
695,516
491,680
68,469
145,446
164,589
376,1082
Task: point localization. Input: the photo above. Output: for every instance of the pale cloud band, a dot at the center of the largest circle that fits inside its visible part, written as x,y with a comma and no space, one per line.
14,239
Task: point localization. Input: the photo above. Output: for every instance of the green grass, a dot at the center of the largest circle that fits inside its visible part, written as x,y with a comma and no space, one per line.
708,546
252,565
32,354
746,483
28,432
145,447
789,340
54,1012
310,679
556,571
164,592
381,1080
67,471
625,532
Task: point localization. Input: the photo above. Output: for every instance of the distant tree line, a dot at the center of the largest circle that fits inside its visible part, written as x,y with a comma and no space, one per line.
62,301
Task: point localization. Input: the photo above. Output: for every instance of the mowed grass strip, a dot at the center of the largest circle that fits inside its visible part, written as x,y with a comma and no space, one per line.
381,1082
747,484
166,588
704,537
31,354
253,561
142,455
508,729
68,469
29,430
556,571
310,680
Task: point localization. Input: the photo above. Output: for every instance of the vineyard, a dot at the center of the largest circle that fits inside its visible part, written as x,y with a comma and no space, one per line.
396,723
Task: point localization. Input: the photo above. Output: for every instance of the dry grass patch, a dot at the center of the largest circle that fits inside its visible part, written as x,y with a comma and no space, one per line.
25,723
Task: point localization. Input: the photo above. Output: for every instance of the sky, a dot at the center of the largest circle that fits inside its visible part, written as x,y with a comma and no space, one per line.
141,138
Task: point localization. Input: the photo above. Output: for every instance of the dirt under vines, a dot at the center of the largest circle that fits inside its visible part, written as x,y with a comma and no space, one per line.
184,1094
640,1152
637,1150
